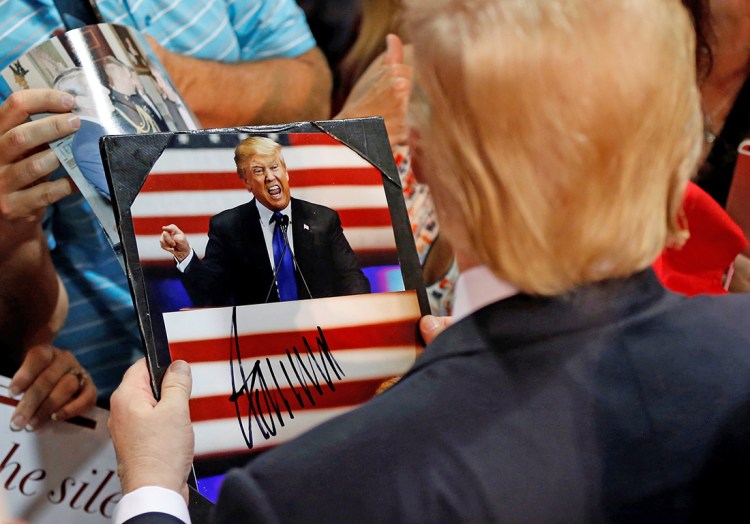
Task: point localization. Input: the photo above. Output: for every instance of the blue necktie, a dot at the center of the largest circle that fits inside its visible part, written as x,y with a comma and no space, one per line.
286,283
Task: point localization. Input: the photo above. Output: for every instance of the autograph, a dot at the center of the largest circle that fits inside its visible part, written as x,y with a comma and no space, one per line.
264,401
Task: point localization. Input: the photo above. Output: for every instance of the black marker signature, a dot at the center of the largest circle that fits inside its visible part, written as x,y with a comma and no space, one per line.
264,399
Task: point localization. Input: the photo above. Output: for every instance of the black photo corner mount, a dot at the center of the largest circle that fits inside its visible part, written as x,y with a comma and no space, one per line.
128,160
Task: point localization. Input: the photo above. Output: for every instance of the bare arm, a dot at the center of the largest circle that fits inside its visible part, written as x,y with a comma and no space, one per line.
271,91
33,302
741,280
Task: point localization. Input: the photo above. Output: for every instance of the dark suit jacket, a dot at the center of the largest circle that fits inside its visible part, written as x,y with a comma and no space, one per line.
603,405
236,269
135,112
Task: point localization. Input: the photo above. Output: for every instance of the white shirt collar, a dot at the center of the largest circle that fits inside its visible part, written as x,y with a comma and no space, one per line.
478,287
266,214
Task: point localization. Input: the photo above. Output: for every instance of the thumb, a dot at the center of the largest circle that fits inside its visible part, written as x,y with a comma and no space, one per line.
431,326
177,384
394,52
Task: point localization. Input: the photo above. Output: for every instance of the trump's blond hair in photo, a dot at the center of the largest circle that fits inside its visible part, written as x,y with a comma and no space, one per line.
256,145
565,162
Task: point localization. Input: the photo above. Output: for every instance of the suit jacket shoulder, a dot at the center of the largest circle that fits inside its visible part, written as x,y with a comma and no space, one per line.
601,405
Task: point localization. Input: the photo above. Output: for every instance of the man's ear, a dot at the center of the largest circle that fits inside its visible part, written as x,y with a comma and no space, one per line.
243,178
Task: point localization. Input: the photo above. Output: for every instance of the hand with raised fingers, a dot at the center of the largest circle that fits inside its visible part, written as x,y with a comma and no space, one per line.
26,162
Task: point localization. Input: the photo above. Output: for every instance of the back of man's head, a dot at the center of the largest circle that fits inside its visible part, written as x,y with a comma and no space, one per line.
557,135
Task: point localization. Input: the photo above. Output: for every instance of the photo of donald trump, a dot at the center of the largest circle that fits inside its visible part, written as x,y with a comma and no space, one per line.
272,248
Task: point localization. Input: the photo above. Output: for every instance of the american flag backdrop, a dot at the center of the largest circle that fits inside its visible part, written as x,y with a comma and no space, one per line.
355,343
188,185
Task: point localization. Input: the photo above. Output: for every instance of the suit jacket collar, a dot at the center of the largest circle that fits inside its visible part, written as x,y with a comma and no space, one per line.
524,319
301,230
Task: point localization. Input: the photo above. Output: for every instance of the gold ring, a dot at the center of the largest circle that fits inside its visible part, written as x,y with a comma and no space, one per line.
82,377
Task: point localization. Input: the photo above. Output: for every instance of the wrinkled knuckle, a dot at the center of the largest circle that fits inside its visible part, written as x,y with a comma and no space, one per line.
45,355
46,382
32,171
17,102
56,399
64,354
114,398
16,138
49,195
60,126
6,210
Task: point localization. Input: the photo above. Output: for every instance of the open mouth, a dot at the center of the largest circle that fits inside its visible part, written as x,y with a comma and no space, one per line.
274,191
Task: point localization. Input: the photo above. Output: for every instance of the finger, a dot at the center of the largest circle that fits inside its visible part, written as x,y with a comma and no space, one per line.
394,53
399,87
67,387
44,384
21,204
136,381
30,170
176,386
173,230
34,362
431,326
400,71
23,138
167,241
20,105
84,400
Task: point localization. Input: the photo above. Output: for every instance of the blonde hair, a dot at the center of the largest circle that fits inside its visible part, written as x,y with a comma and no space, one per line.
256,145
557,136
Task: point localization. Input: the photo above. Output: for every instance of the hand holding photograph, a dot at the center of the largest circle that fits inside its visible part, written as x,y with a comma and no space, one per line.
278,262
118,88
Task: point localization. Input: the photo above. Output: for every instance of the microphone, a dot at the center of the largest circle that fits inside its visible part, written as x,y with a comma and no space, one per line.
283,223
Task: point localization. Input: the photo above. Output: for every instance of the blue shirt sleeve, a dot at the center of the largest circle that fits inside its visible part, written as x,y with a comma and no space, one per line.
270,29
221,30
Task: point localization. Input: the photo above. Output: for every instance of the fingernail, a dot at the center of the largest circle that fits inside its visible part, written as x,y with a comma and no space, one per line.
53,416
181,367
14,391
74,121
31,426
16,424
68,100
430,323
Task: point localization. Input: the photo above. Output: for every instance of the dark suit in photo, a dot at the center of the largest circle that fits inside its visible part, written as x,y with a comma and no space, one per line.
236,269
136,112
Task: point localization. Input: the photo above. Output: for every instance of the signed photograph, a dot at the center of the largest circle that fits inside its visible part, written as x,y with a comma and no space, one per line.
118,89
281,266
